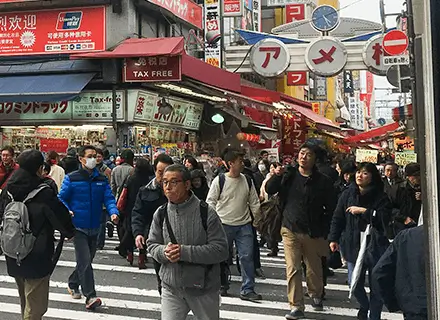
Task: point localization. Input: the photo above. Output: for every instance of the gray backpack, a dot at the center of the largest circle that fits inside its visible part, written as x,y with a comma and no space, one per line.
16,237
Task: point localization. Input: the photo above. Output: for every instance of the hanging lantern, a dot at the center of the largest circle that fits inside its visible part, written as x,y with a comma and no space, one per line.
241,136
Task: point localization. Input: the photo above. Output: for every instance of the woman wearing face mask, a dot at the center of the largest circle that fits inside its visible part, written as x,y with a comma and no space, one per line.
56,172
363,203
263,167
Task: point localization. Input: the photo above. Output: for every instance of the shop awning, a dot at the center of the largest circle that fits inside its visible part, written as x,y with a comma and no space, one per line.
43,88
321,122
266,132
139,47
175,46
270,96
377,134
245,120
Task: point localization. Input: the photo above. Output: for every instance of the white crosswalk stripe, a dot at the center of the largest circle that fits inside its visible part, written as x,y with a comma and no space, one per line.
130,294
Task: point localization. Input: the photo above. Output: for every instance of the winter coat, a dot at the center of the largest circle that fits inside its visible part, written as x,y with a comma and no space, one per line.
6,171
329,171
46,214
399,276
352,225
85,194
406,204
319,202
119,174
134,184
340,186
57,174
148,199
70,164
391,190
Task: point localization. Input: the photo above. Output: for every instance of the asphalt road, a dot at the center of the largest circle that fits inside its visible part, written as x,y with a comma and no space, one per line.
129,293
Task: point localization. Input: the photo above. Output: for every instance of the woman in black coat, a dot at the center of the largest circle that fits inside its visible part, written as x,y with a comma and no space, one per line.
143,173
363,203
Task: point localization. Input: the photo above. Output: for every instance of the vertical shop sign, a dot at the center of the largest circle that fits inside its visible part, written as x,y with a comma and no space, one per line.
370,92
97,106
320,88
294,134
316,107
52,31
356,109
144,105
348,82
256,13
212,30
295,12
186,10
232,8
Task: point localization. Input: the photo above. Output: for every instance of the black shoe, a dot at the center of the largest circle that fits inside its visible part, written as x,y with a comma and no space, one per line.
295,314
273,253
223,292
251,296
317,304
330,273
362,315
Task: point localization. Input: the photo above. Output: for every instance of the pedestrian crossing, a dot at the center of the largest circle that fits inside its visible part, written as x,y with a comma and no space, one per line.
130,294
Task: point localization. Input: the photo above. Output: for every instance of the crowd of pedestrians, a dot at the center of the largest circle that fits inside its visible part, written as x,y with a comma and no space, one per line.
196,229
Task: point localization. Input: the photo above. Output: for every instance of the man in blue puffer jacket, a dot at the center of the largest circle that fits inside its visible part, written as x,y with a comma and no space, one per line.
84,192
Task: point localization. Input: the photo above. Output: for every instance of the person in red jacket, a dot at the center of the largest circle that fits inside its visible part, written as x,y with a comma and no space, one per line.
7,165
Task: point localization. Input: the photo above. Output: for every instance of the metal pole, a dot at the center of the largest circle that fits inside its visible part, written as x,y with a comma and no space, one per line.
222,32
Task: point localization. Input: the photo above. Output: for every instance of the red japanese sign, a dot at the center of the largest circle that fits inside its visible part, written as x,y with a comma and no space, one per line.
57,145
159,68
297,78
395,42
183,9
295,12
294,134
232,8
52,31
35,111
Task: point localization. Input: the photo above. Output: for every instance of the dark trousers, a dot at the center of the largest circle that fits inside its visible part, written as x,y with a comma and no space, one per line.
159,281
412,316
102,229
85,249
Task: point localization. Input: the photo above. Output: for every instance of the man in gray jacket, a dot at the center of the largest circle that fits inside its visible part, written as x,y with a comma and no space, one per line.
188,239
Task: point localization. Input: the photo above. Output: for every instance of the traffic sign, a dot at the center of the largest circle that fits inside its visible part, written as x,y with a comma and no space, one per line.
396,60
395,42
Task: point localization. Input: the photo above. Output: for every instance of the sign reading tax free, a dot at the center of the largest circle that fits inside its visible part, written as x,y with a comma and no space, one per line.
156,68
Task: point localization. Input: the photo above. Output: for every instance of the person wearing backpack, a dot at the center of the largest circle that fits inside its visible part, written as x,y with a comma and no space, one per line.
235,199
27,198
188,239
84,192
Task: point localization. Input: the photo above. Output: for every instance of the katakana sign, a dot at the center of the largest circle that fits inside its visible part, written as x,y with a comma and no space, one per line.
35,111
326,56
294,134
270,57
373,54
297,78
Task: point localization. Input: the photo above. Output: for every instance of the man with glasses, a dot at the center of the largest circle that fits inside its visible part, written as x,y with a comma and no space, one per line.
7,165
84,192
149,198
188,239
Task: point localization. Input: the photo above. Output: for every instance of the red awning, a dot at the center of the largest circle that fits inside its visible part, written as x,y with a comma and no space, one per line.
381,132
191,67
320,121
139,47
271,96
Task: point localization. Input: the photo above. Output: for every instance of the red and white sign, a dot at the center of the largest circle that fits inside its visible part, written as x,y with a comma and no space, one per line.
148,69
52,31
294,134
395,42
232,8
373,55
270,57
297,78
295,12
57,145
184,9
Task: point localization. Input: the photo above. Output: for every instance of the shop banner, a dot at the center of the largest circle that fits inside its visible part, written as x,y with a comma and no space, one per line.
295,12
232,8
316,107
404,158
256,12
294,134
186,10
25,111
356,109
57,145
52,31
366,155
185,114
405,144
148,69
97,106
212,31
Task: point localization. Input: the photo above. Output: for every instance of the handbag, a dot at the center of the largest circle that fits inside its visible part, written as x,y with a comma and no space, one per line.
121,204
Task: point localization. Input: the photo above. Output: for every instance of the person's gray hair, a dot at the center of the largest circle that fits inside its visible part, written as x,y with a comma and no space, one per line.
186,174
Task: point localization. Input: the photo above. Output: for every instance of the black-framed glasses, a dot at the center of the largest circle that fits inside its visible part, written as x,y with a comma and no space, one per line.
173,183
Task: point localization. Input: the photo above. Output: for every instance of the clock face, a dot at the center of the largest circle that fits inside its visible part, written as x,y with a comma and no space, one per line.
325,18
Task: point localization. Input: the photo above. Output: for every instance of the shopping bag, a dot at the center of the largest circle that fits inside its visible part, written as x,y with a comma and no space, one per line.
359,261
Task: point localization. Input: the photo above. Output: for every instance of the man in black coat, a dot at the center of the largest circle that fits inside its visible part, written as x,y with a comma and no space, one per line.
46,214
399,275
307,200
148,200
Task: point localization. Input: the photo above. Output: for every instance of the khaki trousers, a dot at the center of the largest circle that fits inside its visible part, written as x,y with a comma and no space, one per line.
34,297
299,247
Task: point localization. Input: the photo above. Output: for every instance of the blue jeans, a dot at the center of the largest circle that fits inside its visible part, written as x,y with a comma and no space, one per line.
244,241
85,249
374,304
